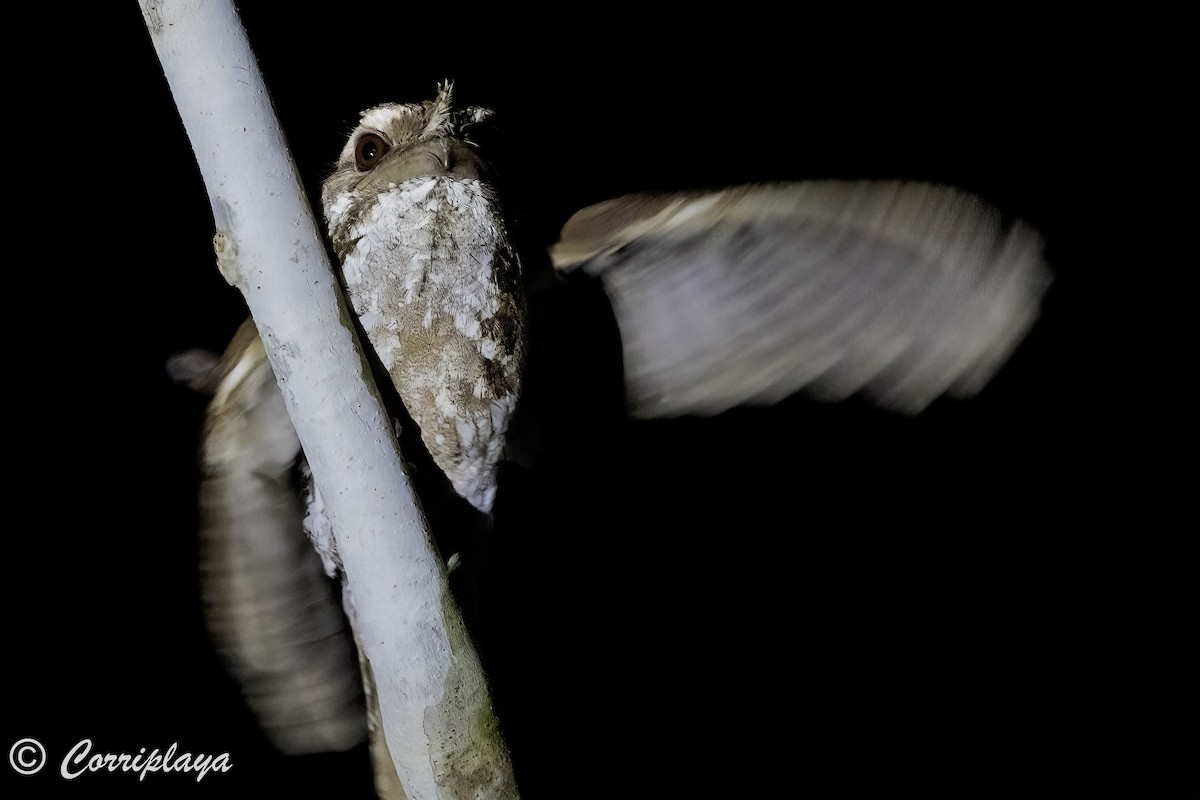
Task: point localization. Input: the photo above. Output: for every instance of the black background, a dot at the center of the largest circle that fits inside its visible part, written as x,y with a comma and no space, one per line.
824,600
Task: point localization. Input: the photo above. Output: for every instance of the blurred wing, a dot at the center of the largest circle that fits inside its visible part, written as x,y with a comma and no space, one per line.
902,291
274,616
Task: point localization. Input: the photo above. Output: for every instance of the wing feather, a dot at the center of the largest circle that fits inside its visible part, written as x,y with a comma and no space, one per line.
274,616
903,292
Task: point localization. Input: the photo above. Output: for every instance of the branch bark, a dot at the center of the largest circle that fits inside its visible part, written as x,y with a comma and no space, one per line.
435,704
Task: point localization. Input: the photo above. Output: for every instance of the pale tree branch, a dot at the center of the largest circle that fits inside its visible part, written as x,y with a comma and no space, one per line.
435,704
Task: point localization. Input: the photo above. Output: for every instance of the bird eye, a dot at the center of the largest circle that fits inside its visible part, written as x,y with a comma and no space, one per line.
369,149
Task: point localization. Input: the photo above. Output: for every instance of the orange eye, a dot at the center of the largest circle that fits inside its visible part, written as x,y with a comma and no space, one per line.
368,150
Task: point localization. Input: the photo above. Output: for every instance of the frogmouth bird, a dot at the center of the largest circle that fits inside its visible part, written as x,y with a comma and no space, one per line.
900,292
429,270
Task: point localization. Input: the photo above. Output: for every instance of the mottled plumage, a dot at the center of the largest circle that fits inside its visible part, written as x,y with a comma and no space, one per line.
903,292
429,270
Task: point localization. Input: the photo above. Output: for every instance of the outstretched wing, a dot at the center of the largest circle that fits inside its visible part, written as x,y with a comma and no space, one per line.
274,615
901,291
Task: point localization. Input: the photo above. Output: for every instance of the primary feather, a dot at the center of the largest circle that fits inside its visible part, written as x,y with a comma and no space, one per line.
273,615
902,291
